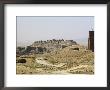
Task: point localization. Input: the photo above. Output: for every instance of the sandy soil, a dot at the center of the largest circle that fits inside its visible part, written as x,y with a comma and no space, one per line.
65,61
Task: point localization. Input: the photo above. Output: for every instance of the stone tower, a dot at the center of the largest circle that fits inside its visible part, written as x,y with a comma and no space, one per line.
91,41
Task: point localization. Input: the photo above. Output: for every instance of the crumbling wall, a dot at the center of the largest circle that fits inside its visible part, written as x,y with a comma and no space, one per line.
91,41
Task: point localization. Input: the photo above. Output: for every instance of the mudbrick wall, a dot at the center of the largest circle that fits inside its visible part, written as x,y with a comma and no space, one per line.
91,41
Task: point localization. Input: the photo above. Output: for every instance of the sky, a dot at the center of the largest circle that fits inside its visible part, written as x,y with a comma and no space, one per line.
35,28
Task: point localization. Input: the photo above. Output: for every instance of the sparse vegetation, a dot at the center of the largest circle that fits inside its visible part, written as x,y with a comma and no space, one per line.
62,61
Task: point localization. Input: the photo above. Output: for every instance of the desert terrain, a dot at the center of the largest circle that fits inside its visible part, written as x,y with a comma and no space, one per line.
72,59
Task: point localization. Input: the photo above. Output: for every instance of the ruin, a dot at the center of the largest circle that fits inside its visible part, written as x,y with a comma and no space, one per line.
41,47
91,41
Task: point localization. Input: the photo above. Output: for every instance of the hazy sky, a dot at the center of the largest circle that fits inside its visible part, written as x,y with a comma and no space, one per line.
30,29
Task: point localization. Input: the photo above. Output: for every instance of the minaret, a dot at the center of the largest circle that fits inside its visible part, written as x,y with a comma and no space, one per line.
91,40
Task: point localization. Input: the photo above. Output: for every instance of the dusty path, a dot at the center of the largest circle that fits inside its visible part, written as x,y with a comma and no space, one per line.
59,65
49,64
66,71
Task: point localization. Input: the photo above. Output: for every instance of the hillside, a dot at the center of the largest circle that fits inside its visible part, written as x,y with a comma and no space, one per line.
74,59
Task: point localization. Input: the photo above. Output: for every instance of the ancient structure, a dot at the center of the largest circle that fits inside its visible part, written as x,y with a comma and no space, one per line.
91,41
51,45
40,47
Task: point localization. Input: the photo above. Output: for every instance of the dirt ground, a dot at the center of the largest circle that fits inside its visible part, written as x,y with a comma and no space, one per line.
64,61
